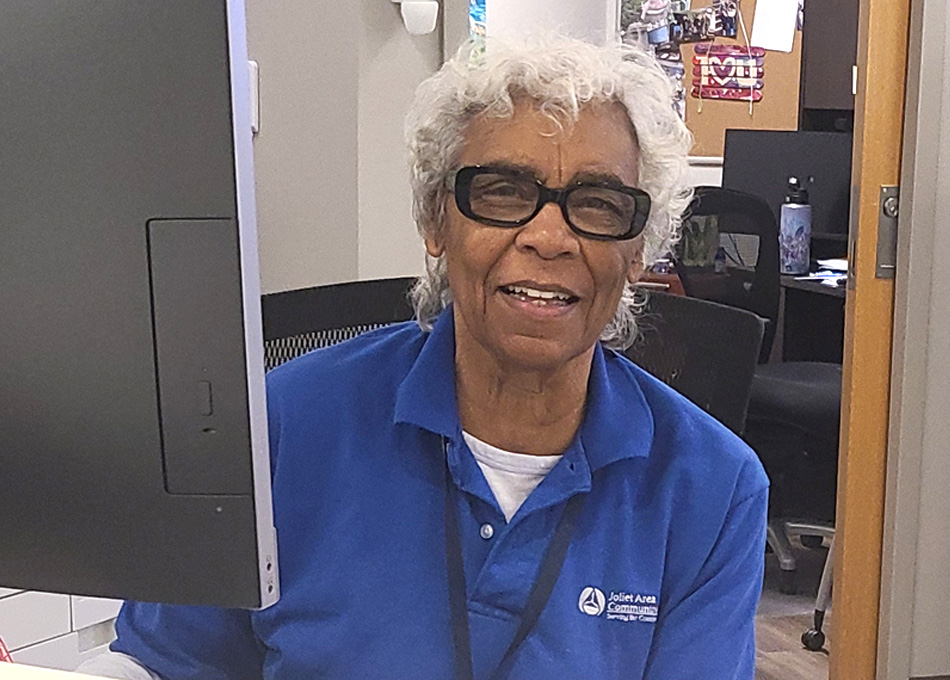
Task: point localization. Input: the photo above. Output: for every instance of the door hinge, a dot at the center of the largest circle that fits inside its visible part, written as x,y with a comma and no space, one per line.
888,217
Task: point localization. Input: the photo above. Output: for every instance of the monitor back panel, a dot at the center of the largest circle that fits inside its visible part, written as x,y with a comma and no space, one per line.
761,161
132,424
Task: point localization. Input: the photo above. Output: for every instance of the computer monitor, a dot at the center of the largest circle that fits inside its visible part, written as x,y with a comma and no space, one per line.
761,161
133,441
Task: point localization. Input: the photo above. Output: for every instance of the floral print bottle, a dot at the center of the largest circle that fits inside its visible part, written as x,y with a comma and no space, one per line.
795,230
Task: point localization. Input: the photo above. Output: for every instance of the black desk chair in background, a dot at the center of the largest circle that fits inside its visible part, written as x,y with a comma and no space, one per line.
705,351
794,410
298,321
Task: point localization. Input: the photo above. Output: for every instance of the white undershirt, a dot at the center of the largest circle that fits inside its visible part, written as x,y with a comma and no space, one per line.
511,476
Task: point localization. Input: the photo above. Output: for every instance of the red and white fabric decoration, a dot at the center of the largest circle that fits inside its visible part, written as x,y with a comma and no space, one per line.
729,72
4,654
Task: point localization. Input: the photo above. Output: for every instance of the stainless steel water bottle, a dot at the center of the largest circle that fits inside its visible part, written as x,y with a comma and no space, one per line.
795,230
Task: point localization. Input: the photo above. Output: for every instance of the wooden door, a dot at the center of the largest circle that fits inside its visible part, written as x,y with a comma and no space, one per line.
879,117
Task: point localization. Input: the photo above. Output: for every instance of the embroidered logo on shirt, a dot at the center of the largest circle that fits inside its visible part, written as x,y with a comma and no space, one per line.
592,601
619,605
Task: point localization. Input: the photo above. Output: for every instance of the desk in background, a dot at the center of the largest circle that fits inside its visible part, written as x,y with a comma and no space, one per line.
13,671
812,316
54,630
664,283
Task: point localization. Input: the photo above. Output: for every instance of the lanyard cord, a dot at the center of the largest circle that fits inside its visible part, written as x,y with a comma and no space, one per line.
458,596
540,592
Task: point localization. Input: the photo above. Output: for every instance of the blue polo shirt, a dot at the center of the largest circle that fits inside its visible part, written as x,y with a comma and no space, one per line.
660,582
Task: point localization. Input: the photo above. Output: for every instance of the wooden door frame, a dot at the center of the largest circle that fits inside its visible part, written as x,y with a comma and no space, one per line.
883,27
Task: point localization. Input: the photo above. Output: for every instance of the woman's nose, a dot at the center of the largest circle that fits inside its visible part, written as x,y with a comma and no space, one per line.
548,234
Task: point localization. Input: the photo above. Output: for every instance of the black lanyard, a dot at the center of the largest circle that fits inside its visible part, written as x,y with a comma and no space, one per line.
540,592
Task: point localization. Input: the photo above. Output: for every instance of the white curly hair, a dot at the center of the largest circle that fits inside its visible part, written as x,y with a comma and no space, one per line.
560,75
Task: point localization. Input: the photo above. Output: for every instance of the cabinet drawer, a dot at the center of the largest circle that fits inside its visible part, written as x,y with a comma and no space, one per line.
88,611
29,618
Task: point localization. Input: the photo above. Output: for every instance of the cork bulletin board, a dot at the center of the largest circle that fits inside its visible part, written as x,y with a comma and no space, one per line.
778,109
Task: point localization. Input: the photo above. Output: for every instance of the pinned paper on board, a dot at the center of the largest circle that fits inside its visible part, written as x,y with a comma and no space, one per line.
773,25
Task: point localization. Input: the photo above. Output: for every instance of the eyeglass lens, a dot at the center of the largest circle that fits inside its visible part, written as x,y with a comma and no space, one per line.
512,199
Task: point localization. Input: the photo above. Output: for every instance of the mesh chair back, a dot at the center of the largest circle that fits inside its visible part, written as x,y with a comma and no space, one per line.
706,351
298,321
749,236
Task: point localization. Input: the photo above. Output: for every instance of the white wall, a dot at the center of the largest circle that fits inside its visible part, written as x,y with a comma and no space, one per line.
392,63
705,171
915,598
332,193
306,152
593,20
455,25
931,654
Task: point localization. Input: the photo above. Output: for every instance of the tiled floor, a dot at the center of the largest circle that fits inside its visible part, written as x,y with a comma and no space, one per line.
783,618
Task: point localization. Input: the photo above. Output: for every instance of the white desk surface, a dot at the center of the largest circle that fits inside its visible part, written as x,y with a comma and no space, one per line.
14,671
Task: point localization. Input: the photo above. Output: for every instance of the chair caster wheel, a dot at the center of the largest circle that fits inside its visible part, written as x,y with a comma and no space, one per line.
787,584
813,640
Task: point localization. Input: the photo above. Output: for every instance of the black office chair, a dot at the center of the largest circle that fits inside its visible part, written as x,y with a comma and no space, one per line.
794,409
705,351
298,321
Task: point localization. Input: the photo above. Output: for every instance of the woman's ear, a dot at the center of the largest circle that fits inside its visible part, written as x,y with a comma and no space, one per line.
635,270
434,245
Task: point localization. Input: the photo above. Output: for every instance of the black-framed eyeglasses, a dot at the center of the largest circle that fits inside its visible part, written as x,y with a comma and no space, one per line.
504,197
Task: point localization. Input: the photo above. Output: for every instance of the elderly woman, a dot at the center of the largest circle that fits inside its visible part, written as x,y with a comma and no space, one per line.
492,492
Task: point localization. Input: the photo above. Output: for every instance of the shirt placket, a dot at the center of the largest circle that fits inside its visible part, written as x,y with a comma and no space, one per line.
502,560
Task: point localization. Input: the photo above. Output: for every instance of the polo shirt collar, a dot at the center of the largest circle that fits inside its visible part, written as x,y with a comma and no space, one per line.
426,396
618,423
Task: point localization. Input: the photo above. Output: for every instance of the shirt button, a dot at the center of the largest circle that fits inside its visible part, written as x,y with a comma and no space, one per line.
486,531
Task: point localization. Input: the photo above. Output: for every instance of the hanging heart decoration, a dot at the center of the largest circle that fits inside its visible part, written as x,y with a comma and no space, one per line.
729,72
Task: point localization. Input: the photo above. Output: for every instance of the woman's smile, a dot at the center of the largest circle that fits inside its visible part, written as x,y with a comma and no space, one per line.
539,300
